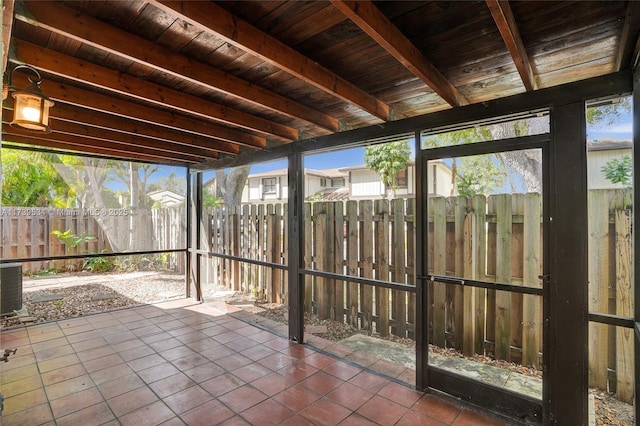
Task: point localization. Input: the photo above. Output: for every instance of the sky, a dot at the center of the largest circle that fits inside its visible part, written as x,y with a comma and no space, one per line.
622,128
330,160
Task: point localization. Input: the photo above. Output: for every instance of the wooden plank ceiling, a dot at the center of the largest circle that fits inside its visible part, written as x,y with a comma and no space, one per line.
187,82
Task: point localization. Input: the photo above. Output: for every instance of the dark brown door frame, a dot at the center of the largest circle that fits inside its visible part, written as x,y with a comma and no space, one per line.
525,409
636,235
568,300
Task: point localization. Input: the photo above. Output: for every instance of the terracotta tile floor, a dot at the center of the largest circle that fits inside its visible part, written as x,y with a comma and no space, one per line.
185,363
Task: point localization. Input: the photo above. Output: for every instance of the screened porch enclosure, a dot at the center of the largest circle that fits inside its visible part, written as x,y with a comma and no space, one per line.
418,189
485,285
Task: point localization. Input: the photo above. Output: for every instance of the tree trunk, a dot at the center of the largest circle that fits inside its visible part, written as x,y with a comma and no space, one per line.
134,188
526,163
230,185
95,189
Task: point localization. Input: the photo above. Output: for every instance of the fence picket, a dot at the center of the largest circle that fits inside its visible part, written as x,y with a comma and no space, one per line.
503,275
381,249
353,289
469,293
624,296
411,272
516,214
598,281
338,260
460,268
399,249
278,240
329,258
532,305
438,206
308,256
366,258
479,261
320,295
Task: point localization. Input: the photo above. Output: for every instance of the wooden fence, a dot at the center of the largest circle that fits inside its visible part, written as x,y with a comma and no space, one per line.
611,291
496,238
28,233
255,232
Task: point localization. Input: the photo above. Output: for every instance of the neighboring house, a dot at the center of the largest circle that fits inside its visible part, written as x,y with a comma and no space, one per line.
364,183
601,151
165,198
349,183
273,186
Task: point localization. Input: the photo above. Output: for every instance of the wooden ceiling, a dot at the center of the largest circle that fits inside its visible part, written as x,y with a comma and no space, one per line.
191,81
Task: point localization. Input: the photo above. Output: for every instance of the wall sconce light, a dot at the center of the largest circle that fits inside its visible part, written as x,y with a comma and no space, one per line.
31,109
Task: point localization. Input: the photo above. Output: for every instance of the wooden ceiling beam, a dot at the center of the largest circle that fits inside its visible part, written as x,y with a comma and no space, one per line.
102,120
113,138
214,19
506,23
629,37
7,24
127,85
375,24
95,101
74,143
68,22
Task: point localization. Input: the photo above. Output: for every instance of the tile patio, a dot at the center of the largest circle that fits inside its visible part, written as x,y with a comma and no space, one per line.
186,363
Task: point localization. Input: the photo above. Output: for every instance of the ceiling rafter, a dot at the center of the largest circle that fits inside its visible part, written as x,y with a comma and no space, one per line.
226,140
78,143
90,133
70,23
124,84
113,122
133,141
7,23
375,24
218,21
629,37
506,23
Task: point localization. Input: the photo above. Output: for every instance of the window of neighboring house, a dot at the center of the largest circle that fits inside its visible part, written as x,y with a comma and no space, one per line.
401,179
269,185
323,182
337,183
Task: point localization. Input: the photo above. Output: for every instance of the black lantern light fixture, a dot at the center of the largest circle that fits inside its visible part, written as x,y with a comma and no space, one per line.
31,109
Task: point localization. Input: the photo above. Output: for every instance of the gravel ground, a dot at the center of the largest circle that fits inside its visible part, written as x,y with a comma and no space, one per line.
63,296
85,293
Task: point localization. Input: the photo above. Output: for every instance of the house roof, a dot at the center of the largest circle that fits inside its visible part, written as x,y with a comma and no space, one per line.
328,173
364,166
330,194
166,197
188,82
606,144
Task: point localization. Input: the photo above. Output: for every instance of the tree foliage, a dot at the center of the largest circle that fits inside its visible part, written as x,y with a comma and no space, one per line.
496,169
30,180
619,171
609,113
171,182
136,178
210,200
479,174
387,160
